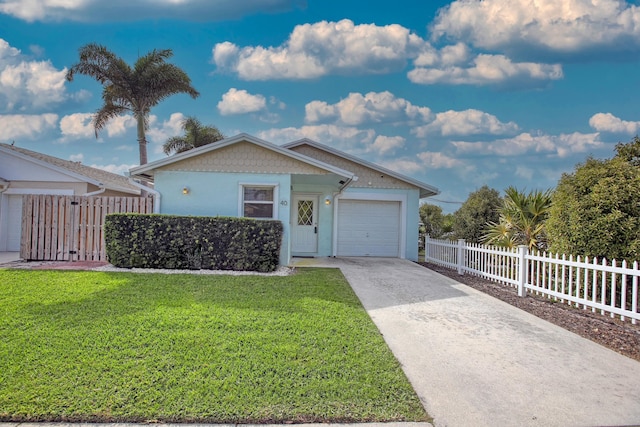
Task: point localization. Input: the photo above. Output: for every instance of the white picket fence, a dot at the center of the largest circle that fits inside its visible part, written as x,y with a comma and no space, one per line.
599,285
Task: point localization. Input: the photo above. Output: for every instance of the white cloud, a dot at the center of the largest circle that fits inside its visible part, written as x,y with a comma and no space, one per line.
374,107
119,125
342,137
158,133
315,50
436,160
467,122
387,144
28,84
120,169
607,122
484,69
241,102
77,157
561,145
560,26
26,126
77,125
424,161
406,166
118,10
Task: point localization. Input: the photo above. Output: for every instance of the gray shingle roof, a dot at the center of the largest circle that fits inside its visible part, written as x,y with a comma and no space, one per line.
109,180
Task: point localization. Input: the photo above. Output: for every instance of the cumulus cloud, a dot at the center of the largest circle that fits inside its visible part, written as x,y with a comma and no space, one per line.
26,84
77,125
374,107
121,169
427,160
118,10
241,102
607,122
26,126
315,50
560,145
77,157
467,122
387,144
158,133
566,26
325,133
484,69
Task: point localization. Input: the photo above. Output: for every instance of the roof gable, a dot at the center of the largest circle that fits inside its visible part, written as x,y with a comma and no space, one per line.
244,157
241,153
369,174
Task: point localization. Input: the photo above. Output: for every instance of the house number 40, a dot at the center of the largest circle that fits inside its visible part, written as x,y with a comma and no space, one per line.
284,203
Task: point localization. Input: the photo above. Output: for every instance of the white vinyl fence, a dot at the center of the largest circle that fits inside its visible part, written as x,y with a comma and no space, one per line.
599,285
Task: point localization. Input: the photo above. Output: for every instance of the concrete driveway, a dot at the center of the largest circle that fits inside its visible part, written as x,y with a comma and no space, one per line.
477,361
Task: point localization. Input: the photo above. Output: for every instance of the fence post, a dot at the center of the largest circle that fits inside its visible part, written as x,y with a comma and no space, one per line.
460,257
522,270
426,247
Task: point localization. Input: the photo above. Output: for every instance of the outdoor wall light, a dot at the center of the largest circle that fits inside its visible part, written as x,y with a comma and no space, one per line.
185,190
327,201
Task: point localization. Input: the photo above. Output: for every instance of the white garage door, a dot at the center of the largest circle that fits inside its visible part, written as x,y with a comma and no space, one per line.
368,228
14,223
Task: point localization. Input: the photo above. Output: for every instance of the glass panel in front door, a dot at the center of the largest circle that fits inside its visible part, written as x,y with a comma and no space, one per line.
305,212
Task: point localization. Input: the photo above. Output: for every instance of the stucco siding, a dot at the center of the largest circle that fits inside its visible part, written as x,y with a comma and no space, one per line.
244,157
219,195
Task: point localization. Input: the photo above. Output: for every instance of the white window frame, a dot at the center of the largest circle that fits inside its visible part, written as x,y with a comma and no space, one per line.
266,185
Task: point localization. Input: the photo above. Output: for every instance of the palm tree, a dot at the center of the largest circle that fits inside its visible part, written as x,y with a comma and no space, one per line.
195,135
135,90
522,220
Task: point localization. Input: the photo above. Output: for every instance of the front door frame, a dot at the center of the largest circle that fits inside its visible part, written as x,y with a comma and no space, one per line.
311,230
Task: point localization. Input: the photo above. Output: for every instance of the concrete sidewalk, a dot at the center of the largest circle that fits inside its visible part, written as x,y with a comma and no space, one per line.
477,361
7,257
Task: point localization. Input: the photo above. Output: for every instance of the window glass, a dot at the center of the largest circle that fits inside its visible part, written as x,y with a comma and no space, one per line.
258,194
257,201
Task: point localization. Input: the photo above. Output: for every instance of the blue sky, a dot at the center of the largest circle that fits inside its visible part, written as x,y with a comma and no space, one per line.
456,94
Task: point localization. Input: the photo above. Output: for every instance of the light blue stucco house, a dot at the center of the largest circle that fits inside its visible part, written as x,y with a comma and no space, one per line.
330,203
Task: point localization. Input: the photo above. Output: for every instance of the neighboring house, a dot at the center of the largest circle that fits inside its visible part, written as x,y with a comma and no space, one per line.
331,203
28,172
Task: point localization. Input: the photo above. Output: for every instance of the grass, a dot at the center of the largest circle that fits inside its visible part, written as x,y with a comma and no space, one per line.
107,347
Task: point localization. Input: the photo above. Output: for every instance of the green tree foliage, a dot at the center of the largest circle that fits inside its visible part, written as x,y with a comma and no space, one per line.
432,220
131,90
596,209
522,220
195,135
480,208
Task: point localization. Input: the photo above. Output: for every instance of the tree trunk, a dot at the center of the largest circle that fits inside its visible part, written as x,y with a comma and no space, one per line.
142,141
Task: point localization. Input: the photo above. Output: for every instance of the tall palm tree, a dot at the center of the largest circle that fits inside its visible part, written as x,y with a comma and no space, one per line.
135,90
195,135
522,220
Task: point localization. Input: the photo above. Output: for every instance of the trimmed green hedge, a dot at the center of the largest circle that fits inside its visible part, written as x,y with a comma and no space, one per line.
191,242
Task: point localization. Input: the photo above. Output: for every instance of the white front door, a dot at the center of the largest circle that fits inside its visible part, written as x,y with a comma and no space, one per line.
304,230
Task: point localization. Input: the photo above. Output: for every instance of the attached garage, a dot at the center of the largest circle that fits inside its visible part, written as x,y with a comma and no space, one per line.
369,228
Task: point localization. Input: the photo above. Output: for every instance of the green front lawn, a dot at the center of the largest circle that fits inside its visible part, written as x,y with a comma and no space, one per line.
95,346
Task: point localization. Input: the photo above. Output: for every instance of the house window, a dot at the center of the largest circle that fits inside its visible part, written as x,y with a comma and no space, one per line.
258,201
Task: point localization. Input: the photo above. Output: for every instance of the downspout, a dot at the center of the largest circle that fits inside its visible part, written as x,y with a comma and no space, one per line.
156,194
343,187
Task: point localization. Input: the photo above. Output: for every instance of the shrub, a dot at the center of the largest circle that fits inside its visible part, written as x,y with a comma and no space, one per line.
190,242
